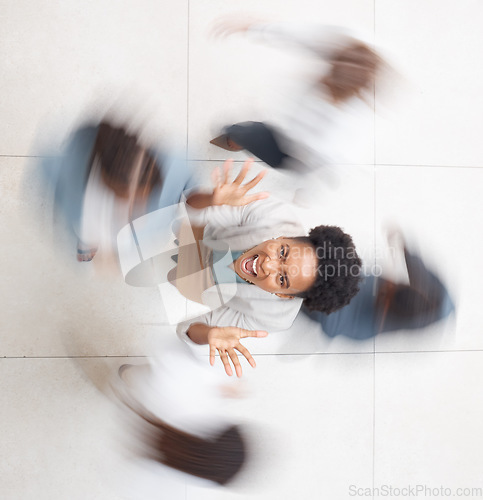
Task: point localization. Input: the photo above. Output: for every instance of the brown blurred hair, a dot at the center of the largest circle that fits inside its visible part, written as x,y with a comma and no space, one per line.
353,70
217,459
118,152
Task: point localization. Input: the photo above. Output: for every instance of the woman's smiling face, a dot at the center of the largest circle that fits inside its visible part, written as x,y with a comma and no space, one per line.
285,266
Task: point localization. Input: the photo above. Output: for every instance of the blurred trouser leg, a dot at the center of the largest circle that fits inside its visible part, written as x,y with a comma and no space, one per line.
259,139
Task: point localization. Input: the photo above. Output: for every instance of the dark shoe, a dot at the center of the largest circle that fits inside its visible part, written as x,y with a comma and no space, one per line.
224,142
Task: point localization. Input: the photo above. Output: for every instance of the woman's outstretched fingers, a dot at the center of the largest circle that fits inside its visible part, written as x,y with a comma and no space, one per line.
216,177
212,355
243,350
236,362
253,333
226,170
251,184
226,363
226,340
243,172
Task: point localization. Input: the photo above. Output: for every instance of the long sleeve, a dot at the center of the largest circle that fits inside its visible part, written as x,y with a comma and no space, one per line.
322,40
215,216
251,309
244,227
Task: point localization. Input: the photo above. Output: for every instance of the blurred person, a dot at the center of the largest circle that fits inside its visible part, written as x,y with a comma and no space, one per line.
179,422
273,266
385,306
107,179
307,136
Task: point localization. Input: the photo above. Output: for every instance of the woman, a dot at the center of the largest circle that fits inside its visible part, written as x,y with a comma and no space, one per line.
254,267
107,179
307,137
176,409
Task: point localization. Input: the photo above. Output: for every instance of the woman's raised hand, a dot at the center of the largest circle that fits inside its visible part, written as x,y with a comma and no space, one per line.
226,340
235,193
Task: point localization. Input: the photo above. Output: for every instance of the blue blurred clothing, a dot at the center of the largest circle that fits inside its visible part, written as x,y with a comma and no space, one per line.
357,320
68,176
363,318
224,274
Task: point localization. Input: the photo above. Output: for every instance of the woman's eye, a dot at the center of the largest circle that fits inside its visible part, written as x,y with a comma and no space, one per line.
282,252
281,280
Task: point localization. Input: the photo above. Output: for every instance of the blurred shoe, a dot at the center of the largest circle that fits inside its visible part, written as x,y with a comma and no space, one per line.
134,376
122,369
224,142
85,254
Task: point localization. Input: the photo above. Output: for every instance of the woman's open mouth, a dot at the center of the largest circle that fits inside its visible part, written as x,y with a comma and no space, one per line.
250,265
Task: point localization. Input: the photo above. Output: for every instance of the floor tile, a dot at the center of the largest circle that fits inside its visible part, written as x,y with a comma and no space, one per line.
63,62
436,46
313,416
428,418
438,210
54,305
236,79
59,432
306,337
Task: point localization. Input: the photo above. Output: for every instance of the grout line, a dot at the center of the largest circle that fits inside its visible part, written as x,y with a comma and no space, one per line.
242,160
370,352
224,159
375,267
79,357
412,165
373,420
365,353
188,80
374,92
425,166
374,172
27,156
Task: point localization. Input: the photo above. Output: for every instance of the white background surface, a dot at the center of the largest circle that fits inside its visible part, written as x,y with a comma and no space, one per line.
396,410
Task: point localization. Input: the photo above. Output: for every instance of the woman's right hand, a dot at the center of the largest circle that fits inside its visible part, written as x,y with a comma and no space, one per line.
235,193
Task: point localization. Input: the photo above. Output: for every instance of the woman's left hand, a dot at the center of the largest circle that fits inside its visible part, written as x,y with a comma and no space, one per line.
226,340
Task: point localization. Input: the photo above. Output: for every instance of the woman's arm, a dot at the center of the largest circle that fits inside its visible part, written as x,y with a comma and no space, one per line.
321,39
225,205
226,192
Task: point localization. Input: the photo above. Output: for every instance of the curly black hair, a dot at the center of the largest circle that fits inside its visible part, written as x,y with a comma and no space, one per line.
338,272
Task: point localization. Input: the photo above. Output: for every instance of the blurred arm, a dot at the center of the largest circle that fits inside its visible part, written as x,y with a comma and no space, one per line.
323,40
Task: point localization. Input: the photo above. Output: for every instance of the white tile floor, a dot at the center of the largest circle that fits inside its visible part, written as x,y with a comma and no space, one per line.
397,411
